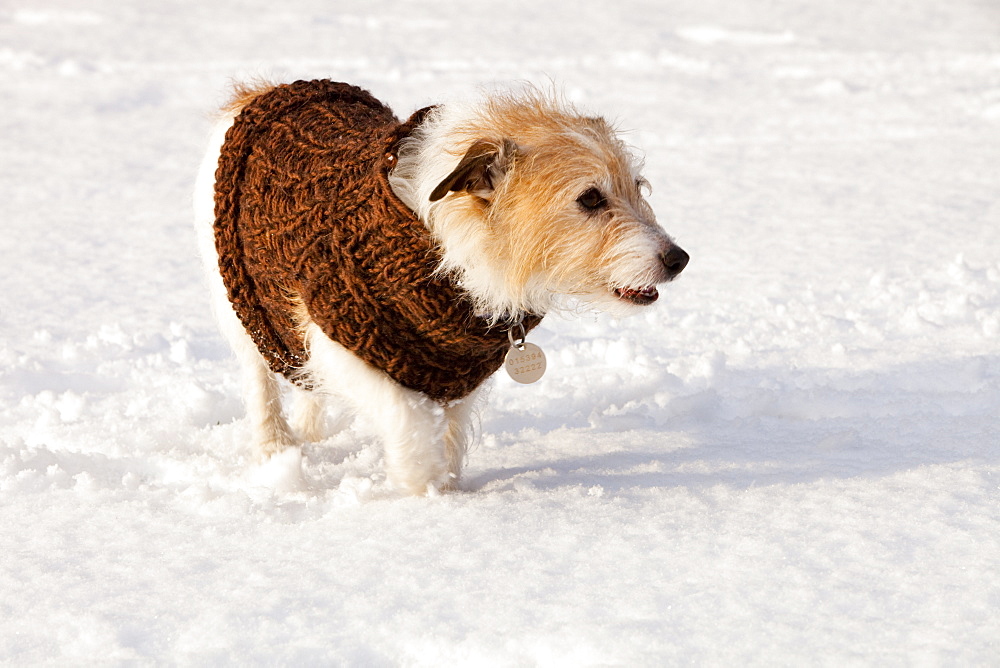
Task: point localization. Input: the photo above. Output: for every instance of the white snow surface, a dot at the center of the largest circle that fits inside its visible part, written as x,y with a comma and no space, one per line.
791,459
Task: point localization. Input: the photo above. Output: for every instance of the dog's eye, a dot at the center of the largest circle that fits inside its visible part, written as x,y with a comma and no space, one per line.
592,200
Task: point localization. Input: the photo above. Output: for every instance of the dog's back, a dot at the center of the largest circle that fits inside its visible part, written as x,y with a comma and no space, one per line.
308,229
297,162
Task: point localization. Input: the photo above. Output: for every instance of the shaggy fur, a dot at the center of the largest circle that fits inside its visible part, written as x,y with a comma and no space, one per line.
526,202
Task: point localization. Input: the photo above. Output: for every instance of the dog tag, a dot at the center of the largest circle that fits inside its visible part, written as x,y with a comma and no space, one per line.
525,362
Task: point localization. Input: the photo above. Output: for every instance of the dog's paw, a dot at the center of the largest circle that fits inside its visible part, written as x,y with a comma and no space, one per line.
451,484
281,472
265,449
421,482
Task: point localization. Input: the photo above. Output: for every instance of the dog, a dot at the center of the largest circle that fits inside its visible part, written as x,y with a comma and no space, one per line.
394,264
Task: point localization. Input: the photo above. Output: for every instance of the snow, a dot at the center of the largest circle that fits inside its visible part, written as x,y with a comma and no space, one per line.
791,458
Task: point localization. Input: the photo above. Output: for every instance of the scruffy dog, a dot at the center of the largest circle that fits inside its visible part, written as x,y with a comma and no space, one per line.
394,265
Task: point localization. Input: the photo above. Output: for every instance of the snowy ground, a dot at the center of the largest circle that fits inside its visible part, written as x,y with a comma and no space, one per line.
792,458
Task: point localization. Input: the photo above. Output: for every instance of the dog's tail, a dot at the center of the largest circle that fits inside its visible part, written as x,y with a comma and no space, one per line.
244,92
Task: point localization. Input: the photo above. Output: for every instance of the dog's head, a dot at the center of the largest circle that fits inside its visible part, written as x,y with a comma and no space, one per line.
540,202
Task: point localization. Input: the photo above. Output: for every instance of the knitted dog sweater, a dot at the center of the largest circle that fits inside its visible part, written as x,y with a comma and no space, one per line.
305,216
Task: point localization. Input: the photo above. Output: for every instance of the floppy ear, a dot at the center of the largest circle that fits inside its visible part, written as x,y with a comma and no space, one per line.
479,172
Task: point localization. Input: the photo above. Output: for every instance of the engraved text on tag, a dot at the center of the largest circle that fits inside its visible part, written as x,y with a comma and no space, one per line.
525,362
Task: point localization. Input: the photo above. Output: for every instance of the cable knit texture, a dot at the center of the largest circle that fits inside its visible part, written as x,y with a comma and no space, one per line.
304,214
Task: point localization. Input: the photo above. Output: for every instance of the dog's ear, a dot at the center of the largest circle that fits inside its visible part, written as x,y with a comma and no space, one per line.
479,172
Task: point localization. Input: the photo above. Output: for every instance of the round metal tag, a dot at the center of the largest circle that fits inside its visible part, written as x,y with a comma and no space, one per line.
525,362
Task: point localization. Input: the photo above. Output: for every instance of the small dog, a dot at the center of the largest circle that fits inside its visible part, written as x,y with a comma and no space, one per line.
394,264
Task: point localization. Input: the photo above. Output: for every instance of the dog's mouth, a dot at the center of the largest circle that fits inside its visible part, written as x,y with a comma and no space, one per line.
638,296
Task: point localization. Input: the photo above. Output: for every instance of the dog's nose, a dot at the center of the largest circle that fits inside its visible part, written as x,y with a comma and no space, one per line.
674,260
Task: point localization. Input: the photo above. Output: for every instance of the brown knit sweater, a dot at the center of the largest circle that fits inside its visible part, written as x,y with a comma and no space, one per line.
304,212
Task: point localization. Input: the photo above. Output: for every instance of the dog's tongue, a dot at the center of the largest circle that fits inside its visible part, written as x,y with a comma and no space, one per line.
646,295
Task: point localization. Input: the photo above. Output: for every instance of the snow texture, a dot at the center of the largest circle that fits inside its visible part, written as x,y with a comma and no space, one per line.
792,458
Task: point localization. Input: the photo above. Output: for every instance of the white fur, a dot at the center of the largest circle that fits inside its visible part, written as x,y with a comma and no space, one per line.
481,267
424,442
554,246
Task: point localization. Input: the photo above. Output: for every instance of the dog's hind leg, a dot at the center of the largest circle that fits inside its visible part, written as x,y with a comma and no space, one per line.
271,433
412,426
308,417
262,393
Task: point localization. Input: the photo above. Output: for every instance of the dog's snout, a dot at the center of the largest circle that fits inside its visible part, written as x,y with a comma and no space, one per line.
674,261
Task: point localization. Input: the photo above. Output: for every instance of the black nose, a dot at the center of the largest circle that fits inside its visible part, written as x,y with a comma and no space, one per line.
674,260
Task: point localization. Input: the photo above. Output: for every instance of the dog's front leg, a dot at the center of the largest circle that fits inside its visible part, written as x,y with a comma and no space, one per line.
414,431
459,431
412,427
